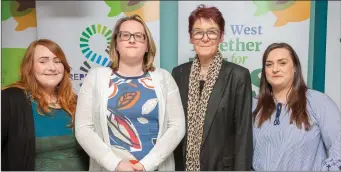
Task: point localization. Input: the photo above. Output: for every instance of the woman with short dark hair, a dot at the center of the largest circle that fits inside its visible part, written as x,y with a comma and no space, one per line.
216,96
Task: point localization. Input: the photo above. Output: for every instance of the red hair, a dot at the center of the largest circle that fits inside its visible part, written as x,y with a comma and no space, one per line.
28,82
208,13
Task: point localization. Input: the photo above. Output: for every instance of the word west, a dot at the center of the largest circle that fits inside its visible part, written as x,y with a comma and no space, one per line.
245,30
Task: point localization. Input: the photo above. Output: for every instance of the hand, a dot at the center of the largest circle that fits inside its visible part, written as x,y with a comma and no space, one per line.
124,166
138,167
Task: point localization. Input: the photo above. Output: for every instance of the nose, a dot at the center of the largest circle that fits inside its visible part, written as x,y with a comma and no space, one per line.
52,66
132,39
205,38
275,68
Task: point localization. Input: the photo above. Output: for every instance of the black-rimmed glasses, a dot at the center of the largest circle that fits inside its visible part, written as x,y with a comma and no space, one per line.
138,36
211,34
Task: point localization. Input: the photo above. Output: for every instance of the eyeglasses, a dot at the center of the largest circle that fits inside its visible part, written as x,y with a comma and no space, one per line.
211,34
138,36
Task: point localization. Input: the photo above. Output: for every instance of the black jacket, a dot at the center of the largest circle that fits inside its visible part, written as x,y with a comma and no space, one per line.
227,138
18,132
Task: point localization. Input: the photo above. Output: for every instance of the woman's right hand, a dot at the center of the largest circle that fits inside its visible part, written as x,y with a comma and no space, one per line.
124,166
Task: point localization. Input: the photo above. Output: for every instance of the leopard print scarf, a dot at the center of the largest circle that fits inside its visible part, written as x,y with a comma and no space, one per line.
197,106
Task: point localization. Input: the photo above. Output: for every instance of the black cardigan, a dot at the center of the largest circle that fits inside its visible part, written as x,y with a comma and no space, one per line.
17,131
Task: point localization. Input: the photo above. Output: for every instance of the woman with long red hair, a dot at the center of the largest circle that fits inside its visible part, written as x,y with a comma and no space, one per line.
38,114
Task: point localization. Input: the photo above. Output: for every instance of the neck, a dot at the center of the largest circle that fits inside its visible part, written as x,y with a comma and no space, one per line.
205,63
50,95
50,92
130,70
281,94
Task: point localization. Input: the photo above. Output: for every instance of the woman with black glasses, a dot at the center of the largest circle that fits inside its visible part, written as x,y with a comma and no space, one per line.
217,100
129,117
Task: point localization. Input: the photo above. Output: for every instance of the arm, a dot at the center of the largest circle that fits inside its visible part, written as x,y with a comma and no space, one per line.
175,128
243,123
5,120
329,122
92,144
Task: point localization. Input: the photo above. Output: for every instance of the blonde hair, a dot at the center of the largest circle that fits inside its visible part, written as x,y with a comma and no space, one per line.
28,82
149,56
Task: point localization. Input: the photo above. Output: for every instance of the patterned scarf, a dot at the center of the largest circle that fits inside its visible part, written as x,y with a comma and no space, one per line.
197,106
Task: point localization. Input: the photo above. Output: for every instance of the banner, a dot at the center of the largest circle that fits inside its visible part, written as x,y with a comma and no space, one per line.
18,22
333,52
250,26
83,29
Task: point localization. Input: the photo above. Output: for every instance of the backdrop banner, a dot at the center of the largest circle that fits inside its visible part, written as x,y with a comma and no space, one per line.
250,26
83,29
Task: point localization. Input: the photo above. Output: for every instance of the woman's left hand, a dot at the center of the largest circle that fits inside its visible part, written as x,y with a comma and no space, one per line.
138,167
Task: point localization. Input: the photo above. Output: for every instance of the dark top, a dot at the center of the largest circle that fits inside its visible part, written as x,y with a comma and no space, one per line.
227,136
201,86
18,139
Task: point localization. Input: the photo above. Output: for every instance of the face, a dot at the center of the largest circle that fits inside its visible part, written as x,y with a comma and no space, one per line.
279,68
207,46
129,48
47,68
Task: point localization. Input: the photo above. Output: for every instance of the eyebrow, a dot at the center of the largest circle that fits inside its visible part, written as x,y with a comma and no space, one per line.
282,59
130,32
207,29
45,57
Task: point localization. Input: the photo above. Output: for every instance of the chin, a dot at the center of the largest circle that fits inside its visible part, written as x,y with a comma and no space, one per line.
206,53
276,84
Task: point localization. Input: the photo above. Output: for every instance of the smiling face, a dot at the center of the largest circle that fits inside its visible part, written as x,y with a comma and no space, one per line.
206,38
47,68
132,42
279,68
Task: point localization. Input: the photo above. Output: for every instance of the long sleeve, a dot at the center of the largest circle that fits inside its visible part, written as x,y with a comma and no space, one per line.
17,131
329,121
90,141
243,120
175,127
5,110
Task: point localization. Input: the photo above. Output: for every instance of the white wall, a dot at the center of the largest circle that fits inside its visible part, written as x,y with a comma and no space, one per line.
333,52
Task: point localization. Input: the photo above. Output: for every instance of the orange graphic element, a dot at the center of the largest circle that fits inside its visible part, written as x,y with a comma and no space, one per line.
299,11
114,91
26,21
146,82
150,11
134,161
133,85
128,100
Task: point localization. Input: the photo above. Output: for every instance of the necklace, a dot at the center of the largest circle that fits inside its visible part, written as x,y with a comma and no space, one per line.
203,77
54,104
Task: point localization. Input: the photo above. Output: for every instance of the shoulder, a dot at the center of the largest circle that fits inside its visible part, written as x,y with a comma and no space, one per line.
239,73
99,70
13,92
14,95
183,67
319,99
164,78
161,73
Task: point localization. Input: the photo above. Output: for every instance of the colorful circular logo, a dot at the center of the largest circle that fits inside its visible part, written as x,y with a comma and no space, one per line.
101,54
